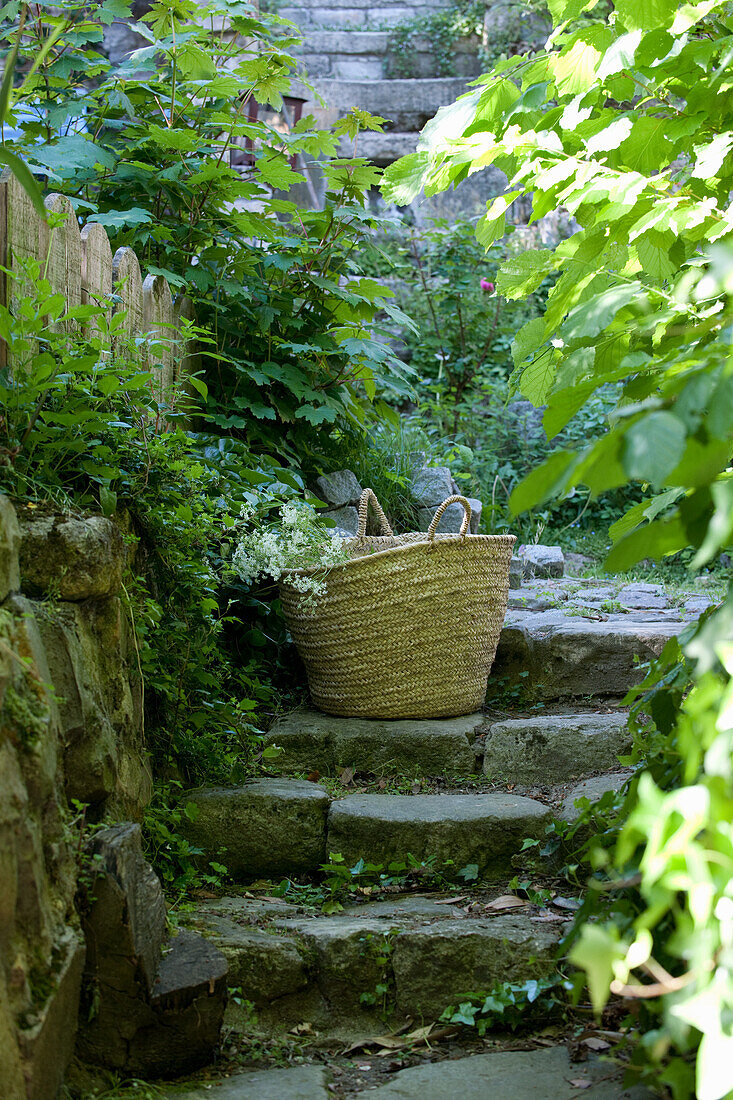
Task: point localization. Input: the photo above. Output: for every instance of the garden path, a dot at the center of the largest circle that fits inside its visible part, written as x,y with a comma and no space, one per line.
461,793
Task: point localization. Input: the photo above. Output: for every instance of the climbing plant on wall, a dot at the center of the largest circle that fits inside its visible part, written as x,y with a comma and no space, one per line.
626,122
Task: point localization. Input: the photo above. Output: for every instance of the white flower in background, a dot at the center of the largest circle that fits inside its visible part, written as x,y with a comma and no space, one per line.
299,541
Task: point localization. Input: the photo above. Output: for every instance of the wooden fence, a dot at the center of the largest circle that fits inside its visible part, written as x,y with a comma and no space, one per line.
80,265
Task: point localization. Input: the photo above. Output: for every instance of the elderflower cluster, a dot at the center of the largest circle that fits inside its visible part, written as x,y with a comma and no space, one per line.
298,541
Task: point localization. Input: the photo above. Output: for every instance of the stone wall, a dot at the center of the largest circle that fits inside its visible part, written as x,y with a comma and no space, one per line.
71,728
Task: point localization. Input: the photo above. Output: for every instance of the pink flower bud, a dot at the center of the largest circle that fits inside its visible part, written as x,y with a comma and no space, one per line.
487,286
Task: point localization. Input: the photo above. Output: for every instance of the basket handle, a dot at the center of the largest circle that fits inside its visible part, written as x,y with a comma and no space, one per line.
439,512
369,497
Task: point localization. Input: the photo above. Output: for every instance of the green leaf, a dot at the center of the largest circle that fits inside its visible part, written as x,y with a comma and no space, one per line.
537,379
596,951
405,178
646,15
493,223
594,315
653,447
520,275
25,179
543,482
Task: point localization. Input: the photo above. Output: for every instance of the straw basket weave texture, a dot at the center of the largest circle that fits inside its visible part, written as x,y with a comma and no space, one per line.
408,627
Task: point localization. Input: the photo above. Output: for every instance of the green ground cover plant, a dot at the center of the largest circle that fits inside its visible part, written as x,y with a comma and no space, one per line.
287,332
624,121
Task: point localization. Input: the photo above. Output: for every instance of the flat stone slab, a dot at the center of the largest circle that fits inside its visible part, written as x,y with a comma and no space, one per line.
557,656
431,954
521,1075
263,828
310,739
592,789
296,1083
554,748
485,829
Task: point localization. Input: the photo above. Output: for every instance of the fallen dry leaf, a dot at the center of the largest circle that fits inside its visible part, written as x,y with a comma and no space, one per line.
594,1043
510,786
567,903
346,776
416,787
382,784
581,1083
506,901
451,901
314,776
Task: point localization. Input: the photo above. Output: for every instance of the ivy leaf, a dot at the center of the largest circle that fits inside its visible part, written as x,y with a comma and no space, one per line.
595,952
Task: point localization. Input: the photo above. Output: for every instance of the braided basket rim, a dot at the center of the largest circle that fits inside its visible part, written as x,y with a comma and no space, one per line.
378,555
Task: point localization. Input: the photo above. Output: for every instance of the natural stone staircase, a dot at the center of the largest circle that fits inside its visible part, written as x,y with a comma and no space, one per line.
478,786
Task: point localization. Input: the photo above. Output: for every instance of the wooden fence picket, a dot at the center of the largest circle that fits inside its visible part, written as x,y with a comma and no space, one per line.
79,264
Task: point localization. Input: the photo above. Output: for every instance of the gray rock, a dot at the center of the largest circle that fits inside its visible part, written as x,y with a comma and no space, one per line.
592,789
525,601
266,827
156,1012
554,748
9,546
436,966
47,1043
566,657
523,1075
516,572
339,488
94,675
431,486
264,966
346,520
125,909
452,518
697,604
71,558
576,564
187,1010
643,596
404,747
485,829
542,561
295,1083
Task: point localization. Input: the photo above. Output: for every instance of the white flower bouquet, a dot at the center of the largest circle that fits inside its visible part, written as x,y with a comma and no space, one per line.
300,540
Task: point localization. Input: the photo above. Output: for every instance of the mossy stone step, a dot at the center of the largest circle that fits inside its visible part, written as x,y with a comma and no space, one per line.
311,741
551,655
429,954
274,827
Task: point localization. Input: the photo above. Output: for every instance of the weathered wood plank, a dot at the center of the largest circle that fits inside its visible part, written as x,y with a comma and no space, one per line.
96,268
128,284
158,323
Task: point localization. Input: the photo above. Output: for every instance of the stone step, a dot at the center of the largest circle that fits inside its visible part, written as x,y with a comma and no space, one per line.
555,655
522,1074
310,741
361,14
554,748
482,829
545,749
364,55
275,827
429,951
406,104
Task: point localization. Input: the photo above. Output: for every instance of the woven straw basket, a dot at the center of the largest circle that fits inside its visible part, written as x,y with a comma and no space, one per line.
408,627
